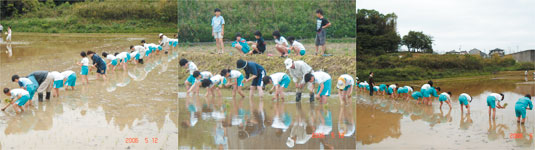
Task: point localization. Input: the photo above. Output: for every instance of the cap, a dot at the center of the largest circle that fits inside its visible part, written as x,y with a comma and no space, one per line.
341,83
290,142
240,64
160,35
288,63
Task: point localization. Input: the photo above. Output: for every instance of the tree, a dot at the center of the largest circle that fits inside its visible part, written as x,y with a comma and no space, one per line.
418,42
376,33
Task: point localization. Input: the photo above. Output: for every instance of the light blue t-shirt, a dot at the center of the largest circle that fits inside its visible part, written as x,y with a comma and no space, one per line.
217,22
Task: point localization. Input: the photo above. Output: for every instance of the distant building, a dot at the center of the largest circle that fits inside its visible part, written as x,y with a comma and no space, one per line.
452,52
476,51
463,52
525,56
498,51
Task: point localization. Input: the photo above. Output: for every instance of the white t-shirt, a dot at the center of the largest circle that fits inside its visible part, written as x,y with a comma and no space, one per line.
234,74
298,45
67,73
122,55
110,57
57,76
165,40
348,78
133,54
192,67
446,94
497,96
282,41
320,77
467,96
85,61
277,77
409,88
393,86
426,86
216,80
173,40
206,75
25,81
18,92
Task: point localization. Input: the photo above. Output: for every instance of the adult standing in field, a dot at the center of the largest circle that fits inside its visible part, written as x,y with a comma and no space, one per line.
45,81
218,29
321,33
8,38
371,83
164,42
298,69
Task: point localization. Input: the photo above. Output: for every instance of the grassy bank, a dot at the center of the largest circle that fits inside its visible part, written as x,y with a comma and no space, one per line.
292,18
408,67
92,17
334,65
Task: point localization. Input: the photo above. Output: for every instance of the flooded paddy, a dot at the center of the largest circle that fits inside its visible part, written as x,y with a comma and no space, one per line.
138,103
384,123
245,123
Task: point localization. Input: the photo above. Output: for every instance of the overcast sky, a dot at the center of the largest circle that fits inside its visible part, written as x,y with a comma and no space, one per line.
482,24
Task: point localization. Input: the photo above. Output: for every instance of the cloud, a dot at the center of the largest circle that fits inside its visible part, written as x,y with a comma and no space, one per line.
482,24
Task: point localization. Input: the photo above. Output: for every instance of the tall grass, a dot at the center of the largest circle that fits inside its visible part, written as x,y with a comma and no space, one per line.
98,17
291,18
406,67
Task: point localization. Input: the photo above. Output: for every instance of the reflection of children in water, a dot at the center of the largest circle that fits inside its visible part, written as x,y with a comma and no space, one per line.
346,123
281,119
524,137
9,50
496,131
465,122
300,132
194,114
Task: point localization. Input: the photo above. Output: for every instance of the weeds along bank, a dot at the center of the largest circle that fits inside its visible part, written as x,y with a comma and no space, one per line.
334,65
291,18
90,17
408,67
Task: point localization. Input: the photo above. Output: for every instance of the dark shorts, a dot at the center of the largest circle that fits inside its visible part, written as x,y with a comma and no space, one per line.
101,69
258,80
320,37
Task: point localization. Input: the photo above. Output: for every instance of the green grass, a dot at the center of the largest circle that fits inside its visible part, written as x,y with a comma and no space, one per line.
95,17
409,67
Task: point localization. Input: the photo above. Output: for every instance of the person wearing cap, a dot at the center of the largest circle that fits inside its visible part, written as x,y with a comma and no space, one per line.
280,81
164,42
464,100
254,72
218,29
521,106
324,81
297,70
345,87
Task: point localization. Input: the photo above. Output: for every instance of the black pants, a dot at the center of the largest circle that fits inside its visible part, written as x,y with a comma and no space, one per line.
371,90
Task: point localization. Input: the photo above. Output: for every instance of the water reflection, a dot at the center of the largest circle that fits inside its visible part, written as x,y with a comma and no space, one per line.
137,103
384,123
246,123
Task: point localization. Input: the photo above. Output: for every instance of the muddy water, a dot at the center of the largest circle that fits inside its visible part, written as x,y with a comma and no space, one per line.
139,103
384,123
245,123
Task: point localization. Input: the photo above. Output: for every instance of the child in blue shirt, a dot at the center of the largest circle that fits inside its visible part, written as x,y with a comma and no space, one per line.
241,45
218,28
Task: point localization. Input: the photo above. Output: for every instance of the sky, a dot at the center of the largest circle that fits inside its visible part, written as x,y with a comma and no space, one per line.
464,24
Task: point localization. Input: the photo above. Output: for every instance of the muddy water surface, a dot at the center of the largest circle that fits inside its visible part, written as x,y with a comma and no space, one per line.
139,103
384,123
245,123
